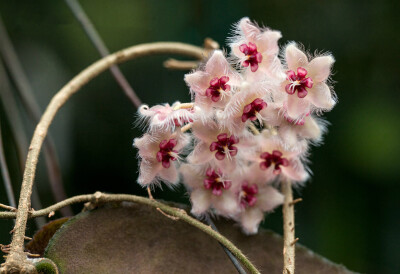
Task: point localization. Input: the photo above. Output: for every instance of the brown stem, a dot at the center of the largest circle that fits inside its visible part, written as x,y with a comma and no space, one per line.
99,197
180,65
289,242
17,257
27,96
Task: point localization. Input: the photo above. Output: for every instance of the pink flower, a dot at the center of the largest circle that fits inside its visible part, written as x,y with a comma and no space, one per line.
263,199
210,188
165,117
275,160
158,153
216,145
306,83
213,85
248,105
256,49
255,198
307,128
290,131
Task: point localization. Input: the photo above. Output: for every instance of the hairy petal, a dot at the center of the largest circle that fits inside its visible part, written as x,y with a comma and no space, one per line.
206,132
201,201
320,68
320,96
269,198
198,81
226,204
295,171
268,42
294,57
146,148
169,174
217,65
192,176
249,30
251,219
201,154
310,129
148,171
297,107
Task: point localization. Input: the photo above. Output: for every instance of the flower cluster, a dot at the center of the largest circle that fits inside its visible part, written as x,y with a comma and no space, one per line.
251,122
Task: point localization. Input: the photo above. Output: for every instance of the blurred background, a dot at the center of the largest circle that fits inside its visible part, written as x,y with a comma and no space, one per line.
351,209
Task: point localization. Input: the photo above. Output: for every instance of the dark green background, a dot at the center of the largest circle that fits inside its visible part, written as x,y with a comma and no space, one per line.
351,209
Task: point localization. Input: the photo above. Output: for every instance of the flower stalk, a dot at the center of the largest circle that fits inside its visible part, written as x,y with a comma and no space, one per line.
289,241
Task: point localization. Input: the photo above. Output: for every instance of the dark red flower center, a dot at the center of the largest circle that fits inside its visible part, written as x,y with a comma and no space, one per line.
251,111
224,146
167,152
214,182
248,195
253,56
273,158
298,82
217,87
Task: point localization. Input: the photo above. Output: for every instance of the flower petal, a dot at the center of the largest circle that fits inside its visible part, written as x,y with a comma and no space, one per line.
183,140
288,134
192,176
206,132
295,171
251,219
198,81
201,201
146,148
226,204
294,57
169,174
268,42
297,107
320,96
201,154
269,198
249,30
319,68
148,172
217,65
310,129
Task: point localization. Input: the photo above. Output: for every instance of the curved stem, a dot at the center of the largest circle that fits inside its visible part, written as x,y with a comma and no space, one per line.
99,197
16,258
180,65
289,242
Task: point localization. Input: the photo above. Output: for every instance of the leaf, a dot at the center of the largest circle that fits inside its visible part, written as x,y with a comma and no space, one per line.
137,238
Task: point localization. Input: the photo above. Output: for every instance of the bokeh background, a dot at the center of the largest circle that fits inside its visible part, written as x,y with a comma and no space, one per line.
351,209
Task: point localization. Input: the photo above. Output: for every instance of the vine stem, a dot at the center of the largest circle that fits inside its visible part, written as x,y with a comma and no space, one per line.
289,242
16,260
178,213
